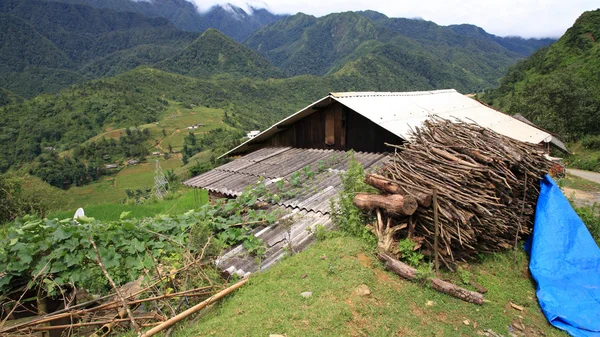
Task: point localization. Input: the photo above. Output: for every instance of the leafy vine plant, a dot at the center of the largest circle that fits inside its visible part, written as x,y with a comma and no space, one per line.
49,254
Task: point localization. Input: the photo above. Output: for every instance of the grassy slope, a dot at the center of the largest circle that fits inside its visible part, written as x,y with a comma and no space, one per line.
271,302
178,203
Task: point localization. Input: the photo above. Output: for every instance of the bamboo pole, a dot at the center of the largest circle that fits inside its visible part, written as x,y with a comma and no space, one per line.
437,232
193,309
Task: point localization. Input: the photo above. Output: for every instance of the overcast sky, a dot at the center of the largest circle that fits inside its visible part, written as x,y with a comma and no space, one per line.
527,18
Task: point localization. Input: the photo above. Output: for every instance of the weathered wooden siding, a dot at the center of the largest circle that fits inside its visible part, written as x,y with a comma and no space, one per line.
334,127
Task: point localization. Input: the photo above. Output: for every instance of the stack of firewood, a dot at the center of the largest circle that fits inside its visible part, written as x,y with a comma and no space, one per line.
486,186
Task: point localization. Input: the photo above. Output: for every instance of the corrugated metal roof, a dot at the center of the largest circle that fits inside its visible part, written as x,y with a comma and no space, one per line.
308,208
555,141
399,112
281,163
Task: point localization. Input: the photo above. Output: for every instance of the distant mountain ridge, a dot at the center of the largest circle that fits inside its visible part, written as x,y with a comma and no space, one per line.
51,44
45,46
303,44
231,20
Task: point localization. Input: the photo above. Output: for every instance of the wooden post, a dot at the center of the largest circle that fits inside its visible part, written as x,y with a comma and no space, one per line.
437,232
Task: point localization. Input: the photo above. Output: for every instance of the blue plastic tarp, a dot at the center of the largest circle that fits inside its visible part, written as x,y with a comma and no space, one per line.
565,262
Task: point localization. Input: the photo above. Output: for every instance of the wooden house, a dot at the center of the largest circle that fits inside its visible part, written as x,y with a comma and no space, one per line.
319,137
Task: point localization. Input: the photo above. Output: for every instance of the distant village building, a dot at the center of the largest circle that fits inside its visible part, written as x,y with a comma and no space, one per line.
252,134
133,162
319,137
50,148
156,153
111,166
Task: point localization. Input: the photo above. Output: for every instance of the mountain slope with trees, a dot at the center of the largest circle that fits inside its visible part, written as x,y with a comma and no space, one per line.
46,44
558,87
303,44
214,53
231,20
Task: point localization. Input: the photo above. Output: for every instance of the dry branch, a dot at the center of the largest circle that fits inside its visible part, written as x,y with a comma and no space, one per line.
410,273
485,203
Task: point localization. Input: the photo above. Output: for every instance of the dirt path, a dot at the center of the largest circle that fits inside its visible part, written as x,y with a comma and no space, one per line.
591,176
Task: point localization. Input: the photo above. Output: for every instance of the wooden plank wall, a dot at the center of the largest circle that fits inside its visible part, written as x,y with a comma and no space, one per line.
334,127
364,135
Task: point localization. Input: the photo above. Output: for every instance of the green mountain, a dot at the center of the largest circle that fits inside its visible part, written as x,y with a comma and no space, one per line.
303,44
405,66
47,46
214,53
558,87
7,97
229,19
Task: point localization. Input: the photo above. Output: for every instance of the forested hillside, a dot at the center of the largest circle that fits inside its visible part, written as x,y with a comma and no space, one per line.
129,70
46,46
214,53
303,44
229,19
558,87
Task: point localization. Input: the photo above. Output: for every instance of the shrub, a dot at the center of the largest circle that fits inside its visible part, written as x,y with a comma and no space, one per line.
591,142
344,215
590,215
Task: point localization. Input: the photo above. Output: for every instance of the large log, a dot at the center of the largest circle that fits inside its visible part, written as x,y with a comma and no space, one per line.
410,273
386,185
393,204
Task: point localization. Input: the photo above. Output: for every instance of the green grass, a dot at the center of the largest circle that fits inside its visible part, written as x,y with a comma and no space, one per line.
578,183
181,202
583,158
111,189
271,303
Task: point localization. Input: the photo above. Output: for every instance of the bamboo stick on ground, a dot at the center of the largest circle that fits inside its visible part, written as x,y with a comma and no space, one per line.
193,309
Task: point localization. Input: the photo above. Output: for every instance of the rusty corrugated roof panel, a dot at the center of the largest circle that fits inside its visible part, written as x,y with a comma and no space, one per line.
307,209
282,162
280,241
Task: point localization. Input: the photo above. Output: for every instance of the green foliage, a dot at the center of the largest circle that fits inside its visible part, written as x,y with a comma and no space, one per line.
130,145
557,87
408,253
344,215
214,53
27,195
591,142
590,215
231,20
231,219
62,252
40,54
390,53
63,172
218,140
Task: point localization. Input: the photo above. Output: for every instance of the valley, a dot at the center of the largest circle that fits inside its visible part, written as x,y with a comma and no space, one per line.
95,93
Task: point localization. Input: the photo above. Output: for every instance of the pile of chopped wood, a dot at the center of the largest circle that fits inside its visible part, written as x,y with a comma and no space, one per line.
486,187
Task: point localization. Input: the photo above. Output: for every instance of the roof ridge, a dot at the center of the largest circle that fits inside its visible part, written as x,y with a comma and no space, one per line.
389,93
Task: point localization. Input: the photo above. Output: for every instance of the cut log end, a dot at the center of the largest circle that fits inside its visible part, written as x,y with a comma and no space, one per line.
393,204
